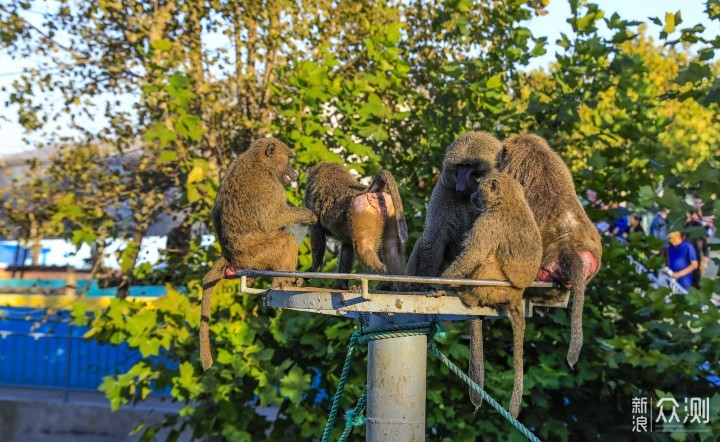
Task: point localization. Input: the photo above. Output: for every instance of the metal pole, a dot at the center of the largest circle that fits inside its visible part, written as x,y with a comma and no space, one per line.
396,384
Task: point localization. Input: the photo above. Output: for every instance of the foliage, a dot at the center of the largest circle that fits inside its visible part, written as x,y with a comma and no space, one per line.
372,84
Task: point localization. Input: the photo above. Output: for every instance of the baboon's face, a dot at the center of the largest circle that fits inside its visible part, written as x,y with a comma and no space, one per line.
464,177
487,190
281,156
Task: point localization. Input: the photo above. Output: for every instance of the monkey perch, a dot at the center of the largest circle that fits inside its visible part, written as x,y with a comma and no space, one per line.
396,326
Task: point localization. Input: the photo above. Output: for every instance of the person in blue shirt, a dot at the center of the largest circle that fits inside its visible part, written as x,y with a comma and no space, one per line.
682,260
620,226
659,225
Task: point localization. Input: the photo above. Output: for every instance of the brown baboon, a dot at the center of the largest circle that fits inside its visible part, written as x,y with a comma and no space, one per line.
362,218
450,213
504,244
250,213
572,250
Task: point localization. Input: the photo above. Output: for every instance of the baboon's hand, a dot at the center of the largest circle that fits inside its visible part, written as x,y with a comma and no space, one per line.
437,293
311,218
453,271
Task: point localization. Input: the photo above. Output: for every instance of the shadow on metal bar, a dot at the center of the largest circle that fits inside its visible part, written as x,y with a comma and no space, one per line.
352,303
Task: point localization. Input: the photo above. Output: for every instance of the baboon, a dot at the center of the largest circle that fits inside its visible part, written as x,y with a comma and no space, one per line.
250,213
450,214
364,219
504,244
572,249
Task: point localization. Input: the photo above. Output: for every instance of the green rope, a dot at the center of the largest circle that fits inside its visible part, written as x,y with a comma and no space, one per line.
355,417
341,386
434,331
493,403
363,336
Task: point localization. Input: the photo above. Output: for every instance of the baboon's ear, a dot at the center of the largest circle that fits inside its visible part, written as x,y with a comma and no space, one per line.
494,185
270,150
377,185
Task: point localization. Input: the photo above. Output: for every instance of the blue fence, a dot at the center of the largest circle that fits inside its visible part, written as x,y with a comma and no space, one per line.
53,354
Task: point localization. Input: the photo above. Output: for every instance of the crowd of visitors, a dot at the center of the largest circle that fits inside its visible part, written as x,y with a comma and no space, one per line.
686,249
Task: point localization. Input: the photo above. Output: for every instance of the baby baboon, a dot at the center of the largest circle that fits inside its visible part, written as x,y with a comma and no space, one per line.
250,214
362,218
504,244
450,213
571,244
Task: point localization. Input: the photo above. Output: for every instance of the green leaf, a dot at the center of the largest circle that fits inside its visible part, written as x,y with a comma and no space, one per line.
161,133
179,80
167,156
79,313
162,45
197,174
149,347
295,384
128,256
392,32
693,73
141,322
187,375
494,82
464,6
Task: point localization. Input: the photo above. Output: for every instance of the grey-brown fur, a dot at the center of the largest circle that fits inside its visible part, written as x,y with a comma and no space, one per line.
331,194
250,213
504,244
566,230
450,213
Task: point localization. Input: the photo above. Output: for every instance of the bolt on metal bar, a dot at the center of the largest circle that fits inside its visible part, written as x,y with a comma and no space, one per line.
390,278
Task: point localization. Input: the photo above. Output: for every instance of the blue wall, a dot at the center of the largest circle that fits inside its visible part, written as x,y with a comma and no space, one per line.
53,354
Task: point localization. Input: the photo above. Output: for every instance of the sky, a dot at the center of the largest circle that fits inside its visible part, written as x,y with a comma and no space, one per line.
550,25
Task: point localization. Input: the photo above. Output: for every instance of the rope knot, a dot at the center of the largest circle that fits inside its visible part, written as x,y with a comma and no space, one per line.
439,333
352,420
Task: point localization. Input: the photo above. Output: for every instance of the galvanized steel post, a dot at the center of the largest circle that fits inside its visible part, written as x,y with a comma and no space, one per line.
396,384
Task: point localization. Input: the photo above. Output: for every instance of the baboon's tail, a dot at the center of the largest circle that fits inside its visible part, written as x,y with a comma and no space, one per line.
392,188
577,280
516,313
477,363
211,278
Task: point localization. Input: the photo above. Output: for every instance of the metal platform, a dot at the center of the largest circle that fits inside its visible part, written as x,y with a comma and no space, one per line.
351,303
396,388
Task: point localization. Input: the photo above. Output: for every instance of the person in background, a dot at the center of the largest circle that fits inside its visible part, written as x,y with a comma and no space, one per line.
620,226
699,242
634,226
593,199
658,229
682,260
659,224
